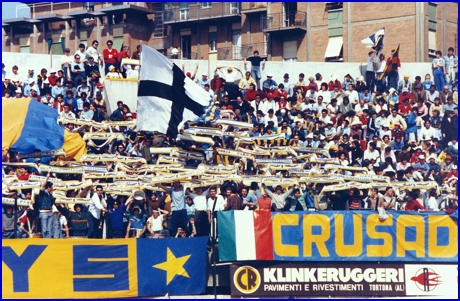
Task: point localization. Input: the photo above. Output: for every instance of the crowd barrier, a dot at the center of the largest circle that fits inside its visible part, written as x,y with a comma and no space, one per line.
338,236
260,279
115,268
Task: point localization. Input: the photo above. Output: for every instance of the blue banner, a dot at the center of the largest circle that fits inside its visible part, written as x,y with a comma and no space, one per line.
361,236
178,267
112,268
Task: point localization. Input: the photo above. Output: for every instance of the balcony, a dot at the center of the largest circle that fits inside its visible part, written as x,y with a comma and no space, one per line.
240,52
283,21
201,11
253,7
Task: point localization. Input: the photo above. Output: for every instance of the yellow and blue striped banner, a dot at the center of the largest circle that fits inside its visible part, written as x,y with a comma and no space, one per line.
116,268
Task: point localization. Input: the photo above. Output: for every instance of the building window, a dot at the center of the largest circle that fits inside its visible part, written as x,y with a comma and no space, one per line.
56,44
183,10
84,38
24,45
335,32
234,7
290,51
432,10
117,38
335,17
88,6
117,3
431,43
334,50
334,5
213,41
205,4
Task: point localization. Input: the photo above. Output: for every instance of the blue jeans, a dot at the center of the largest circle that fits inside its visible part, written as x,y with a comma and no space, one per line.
46,219
178,215
56,227
10,234
370,81
255,72
93,231
393,79
439,79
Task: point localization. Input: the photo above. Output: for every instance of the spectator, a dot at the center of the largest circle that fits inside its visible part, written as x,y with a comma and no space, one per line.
77,70
256,61
179,213
78,222
45,203
66,63
439,67
393,76
451,69
155,223
234,201
96,207
116,217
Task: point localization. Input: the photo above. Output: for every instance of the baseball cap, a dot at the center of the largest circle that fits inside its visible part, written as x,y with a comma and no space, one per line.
188,74
67,50
286,75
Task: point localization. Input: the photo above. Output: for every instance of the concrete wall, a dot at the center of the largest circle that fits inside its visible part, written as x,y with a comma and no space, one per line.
38,61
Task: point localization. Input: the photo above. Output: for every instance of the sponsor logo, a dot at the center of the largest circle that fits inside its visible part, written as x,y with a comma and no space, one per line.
426,279
247,279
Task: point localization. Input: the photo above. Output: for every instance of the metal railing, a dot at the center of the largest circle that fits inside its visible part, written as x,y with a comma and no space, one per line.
253,5
198,12
184,55
240,52
281,21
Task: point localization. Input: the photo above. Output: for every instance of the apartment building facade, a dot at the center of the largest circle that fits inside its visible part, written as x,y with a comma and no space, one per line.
281,31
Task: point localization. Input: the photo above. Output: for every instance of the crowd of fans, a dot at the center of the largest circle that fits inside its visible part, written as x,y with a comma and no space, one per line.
405,130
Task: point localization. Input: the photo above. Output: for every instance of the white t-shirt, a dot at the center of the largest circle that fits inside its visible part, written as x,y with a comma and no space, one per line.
156,224
91,51
66,60
200,202
353,96
220,205
62,221
432,204
230,77
326,96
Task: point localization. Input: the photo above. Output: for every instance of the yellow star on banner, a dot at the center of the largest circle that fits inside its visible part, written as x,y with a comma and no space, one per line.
173,266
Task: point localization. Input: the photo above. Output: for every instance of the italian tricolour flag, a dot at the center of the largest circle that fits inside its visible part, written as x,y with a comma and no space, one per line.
245,235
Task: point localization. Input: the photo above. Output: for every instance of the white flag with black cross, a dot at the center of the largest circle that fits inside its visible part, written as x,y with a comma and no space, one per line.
166,97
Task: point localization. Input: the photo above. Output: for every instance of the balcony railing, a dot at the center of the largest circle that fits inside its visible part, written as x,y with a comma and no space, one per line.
240,52
253,5
199,12
284,21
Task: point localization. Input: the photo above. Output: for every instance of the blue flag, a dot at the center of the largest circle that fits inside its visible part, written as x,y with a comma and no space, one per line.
175,266
375,41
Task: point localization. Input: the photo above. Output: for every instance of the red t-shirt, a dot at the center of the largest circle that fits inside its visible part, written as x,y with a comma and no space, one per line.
404,109
24,177
264,203
23,219
314,85
414,206
110,57
403,96
53,80
250,95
